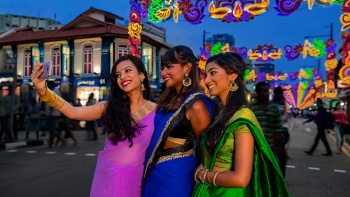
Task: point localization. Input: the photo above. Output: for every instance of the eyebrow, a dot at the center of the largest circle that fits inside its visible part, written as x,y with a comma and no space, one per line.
123,69
211,69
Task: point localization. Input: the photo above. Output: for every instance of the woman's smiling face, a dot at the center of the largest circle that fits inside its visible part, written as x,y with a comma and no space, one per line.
128,77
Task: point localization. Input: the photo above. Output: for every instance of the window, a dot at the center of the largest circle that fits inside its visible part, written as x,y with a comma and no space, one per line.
56,61
27,62
122,49
9,64
87,59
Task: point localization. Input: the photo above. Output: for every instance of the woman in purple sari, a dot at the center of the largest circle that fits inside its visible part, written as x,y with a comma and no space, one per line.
127,118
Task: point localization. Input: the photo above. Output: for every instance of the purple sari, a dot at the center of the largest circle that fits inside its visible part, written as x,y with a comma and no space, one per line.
119,168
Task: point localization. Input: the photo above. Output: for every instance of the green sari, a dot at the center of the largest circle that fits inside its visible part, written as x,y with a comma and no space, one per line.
266,179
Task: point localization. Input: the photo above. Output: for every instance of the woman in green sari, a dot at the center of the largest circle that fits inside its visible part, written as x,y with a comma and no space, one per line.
236,159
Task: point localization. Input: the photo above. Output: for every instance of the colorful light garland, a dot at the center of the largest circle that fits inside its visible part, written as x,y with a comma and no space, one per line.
264,53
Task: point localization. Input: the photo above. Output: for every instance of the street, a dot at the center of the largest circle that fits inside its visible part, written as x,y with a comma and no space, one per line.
68,171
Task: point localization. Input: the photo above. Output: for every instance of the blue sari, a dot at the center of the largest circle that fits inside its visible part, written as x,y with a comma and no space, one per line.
169,172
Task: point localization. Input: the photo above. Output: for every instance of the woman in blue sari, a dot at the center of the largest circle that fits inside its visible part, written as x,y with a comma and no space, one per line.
182,115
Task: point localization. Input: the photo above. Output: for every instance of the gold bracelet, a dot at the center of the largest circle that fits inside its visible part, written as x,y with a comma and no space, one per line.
205,175
214,178
195,175
52,99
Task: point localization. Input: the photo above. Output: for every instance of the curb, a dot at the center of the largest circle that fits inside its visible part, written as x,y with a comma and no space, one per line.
11,145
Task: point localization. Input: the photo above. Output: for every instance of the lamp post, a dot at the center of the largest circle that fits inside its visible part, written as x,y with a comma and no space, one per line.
204,32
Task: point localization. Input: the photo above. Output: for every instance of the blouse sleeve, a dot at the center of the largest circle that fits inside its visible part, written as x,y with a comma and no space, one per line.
241,129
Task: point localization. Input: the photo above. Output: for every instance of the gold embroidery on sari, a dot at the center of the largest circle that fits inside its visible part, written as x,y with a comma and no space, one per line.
143,111
175,156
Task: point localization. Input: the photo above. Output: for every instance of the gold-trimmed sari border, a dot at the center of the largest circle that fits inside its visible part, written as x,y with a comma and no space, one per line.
175,156
143,111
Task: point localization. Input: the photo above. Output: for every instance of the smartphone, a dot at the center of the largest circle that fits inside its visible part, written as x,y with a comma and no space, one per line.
47,70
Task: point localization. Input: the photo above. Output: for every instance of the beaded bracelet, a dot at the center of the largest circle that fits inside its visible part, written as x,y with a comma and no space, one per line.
214,178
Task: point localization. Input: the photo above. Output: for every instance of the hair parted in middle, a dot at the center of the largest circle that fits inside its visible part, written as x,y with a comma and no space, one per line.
117,121
170,100
231,63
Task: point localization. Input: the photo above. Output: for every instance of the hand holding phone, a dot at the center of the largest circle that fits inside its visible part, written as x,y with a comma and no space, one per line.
47,70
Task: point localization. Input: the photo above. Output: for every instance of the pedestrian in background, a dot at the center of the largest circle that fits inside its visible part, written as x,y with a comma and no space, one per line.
22,111
322,123
270,119
2,115
5,126
91,124
33,118
340,119
52,116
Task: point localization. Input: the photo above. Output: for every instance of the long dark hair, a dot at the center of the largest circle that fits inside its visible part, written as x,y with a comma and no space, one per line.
182,55
231,63
117,121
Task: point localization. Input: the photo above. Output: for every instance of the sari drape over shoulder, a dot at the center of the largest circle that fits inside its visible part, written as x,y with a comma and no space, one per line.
266,179
169,172
119,168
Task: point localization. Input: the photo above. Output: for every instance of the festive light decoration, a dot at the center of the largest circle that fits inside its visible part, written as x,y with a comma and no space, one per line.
192,12
317,49
134,27
345,17
344,72
286,7
265,53
236,11
331,92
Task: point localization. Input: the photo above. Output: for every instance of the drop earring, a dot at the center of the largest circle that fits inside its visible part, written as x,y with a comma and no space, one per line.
233,86
186,81
142,86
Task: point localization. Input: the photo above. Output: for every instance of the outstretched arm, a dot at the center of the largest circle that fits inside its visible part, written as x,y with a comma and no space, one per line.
92,112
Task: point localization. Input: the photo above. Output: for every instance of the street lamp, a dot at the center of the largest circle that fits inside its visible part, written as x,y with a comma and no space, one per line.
204,32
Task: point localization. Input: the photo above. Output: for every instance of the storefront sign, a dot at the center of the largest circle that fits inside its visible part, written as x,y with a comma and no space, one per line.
65,60
35,55
88,82
6,79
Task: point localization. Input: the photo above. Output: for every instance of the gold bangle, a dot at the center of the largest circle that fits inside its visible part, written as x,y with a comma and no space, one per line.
205,175
214,178
52,99
195,175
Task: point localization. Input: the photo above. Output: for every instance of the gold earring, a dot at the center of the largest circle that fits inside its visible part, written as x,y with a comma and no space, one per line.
186,81
233,86
142,86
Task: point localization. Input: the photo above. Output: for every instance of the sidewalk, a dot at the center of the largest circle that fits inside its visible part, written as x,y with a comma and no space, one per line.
80,135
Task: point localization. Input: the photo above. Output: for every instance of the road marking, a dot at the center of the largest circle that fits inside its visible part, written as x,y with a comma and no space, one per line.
12,151
289,166
308,129
313,168
90,154
31,151
50,153
70,153
343,171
